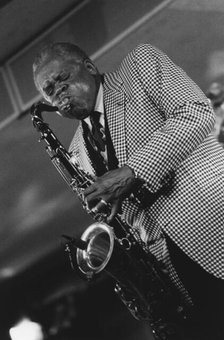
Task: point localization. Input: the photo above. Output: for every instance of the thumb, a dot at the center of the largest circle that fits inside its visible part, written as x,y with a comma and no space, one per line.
115,208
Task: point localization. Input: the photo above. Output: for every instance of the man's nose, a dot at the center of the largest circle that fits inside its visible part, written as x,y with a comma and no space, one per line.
60,89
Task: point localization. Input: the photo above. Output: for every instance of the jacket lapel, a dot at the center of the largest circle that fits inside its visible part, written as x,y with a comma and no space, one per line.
114,102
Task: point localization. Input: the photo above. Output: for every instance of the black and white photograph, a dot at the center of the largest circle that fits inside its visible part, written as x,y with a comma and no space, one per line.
112,170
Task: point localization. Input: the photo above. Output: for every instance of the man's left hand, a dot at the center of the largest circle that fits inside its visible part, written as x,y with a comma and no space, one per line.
112,188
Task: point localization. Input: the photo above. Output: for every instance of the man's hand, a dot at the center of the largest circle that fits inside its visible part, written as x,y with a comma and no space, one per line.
112,188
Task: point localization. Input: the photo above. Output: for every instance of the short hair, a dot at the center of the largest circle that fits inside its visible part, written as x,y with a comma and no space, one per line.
58,50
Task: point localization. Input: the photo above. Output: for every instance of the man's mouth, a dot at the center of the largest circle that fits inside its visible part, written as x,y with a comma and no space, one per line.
70,109
64,104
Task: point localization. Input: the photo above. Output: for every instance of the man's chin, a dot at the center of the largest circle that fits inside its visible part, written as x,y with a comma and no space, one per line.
75,114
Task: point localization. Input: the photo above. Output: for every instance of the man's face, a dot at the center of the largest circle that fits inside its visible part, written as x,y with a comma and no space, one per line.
69,85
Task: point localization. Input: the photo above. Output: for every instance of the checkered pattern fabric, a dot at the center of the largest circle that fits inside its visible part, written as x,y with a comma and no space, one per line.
160,123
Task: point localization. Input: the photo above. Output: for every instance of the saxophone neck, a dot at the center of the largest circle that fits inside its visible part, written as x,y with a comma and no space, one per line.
39,107
36,111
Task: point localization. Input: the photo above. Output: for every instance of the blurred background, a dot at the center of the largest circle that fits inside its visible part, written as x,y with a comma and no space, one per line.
38,289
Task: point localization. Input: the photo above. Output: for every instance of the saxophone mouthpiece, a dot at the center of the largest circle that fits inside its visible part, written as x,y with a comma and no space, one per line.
39,107
76,242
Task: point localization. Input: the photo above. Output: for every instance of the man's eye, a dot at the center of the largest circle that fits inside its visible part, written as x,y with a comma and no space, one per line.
48,90
64,76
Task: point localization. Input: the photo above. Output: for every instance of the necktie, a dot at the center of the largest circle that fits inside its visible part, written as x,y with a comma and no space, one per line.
95,140
93,150
98,133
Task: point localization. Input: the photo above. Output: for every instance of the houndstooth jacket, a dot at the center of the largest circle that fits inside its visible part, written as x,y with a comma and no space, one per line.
160,123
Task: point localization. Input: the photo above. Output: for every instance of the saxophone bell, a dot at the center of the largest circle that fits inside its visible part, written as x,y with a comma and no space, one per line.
103,253
99,238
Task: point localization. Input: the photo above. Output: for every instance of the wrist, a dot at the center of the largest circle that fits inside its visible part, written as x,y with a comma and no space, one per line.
137,181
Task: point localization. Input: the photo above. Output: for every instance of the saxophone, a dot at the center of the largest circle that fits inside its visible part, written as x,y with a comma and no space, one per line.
141,282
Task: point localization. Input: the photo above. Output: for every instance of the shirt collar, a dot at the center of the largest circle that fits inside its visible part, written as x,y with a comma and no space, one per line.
98,107
99,100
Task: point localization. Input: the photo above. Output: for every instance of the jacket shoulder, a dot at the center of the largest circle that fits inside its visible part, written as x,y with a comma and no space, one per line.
140,52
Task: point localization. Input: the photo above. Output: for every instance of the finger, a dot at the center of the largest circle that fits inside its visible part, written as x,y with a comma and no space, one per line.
102,205
89,190
115,207
92,200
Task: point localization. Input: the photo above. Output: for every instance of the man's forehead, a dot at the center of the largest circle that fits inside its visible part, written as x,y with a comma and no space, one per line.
51,67
55,63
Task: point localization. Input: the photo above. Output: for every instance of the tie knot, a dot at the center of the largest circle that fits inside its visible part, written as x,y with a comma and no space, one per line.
95,117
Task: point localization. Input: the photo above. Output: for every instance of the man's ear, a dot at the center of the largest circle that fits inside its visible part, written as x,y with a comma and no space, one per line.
91,68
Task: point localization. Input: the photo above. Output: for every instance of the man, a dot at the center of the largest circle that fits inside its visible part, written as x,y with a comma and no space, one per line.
166,171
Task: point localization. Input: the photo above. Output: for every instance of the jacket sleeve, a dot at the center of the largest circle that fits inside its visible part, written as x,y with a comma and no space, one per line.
187,115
